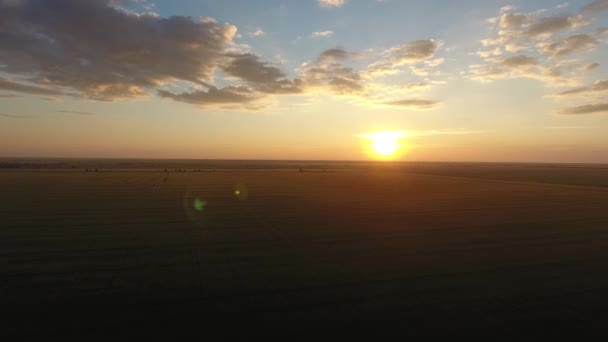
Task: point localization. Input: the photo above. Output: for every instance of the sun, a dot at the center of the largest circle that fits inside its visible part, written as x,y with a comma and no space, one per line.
385,145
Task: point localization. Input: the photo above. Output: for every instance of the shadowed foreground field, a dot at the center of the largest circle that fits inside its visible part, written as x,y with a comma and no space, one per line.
410,251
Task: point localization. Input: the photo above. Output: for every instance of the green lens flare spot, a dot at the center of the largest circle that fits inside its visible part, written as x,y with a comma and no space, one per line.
198,204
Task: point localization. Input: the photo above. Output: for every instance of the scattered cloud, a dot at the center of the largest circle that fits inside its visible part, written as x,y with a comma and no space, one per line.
322,34
186,59
331,3
526,45
562,5
586,109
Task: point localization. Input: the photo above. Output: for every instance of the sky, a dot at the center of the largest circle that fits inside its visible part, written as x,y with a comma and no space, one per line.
470,80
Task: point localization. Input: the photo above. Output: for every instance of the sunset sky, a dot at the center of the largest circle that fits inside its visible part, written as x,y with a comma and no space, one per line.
471,80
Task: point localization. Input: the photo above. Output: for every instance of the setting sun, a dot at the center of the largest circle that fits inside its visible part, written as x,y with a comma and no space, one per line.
385,144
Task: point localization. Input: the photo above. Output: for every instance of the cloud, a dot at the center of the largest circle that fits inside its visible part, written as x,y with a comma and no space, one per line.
328,72
519,61
322,34
591,66
14,116
335,55
412,54
416,86
414,104
547,26
598,86
331,3
249,67
567,45
95,49
586,109
261,76
257,33
524,45
562,5
231,95
515,20
74,112
8,84
105,52
9,96
596,6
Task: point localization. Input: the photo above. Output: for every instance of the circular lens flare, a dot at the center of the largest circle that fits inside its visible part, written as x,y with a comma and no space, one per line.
241,191
198,204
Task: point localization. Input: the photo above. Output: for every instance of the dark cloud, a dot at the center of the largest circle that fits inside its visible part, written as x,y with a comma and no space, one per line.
596,6
259,74
249,68
103,51
416,104
586,109
230,95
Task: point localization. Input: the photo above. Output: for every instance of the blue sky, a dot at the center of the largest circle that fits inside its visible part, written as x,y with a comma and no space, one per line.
465,80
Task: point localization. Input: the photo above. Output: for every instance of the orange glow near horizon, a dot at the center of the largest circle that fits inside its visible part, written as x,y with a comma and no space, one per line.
385,145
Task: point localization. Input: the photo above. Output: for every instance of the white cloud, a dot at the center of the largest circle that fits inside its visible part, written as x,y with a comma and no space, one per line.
322,34
257,33
526,45
331,3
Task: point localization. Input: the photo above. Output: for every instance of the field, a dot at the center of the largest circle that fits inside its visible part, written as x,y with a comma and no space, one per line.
182,248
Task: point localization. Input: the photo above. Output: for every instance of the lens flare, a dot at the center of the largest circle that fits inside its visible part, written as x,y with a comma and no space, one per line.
241,191
198,204
195,205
